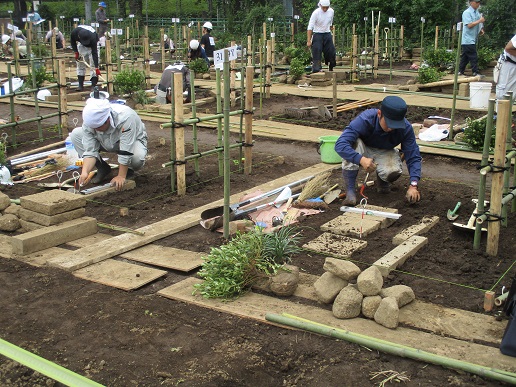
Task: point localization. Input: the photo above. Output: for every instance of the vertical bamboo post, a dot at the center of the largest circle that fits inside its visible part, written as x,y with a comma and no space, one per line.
292,33
376,52
273,53
249,50
248,153
264,32
227,155
53,50
482,185
218,95
109,68
162,48
194,125
179,134
127,30
402,39
334,77
63,100
232,76
354,56
455,86
146,58
507,172
11,105
268,71
436,39
173,158
493,228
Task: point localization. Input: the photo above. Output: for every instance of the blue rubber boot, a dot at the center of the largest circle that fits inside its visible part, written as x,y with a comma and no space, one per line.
350,179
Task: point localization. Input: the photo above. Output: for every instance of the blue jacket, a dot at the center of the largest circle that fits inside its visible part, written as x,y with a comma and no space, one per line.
367,127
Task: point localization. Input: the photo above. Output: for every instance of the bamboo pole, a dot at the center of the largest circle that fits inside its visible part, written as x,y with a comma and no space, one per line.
146,58
194,125
227,165
455,77
436,38
53,50
172,134
376,52
268,70
354,57
482,185
249,50
179,134
390,348
109,68
248,153
493,228
232,78
396,91
63,99
507,172
220,116
162,48
334,96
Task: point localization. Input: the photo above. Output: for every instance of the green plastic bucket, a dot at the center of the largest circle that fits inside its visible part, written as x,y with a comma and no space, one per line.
327,150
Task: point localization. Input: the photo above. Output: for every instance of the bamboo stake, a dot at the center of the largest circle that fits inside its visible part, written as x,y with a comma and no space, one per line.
109,68
146,58
63,99
268,70
179,134
248,118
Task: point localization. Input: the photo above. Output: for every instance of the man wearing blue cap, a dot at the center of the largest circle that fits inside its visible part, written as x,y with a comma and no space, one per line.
102,19
473,25
370,141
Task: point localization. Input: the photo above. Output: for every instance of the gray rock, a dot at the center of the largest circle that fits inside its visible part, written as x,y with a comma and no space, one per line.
4,201
13,209
9,222
328,286
388,313
285,282
370,281
402,293
344,269
282,78
348,303
370,305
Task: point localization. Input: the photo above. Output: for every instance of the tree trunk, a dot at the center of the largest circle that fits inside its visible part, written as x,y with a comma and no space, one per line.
20,11
87,11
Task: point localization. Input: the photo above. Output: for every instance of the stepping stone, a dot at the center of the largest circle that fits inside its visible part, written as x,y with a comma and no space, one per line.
335,245
352,224
52,202
397,256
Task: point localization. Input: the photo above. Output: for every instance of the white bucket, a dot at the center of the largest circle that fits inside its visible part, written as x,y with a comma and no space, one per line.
479,93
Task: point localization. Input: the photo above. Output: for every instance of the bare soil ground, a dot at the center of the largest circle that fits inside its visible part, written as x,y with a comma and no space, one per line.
122,338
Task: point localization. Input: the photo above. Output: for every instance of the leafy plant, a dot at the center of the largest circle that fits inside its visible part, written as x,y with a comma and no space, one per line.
297,68
128,81
297,53
3,151
140,96
199,66
232,268
41,75
441,58
429,74
475,132
39,51
485,56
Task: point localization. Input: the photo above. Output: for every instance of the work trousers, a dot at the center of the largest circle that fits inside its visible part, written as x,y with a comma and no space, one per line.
469,54
388,161
322,43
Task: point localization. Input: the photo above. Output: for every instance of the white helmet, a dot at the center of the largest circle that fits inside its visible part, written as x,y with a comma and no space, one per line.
194,44
165,37
5,176
18,33
56,30
324,3
43,94
208,25
5,39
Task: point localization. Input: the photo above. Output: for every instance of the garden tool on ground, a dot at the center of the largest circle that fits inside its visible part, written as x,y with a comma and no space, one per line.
219,211
452,214
472,219
81,60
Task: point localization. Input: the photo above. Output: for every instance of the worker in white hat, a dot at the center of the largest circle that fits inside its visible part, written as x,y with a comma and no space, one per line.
60,39
111,128
168,44
318,36
195,51
7,46
207,41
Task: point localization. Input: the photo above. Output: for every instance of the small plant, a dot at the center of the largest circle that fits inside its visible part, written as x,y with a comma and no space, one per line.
3,151
199,66
297,68
140,97
41,75
429,74
231,269
297,53
129,81
39,51
475,133
441,58
485,56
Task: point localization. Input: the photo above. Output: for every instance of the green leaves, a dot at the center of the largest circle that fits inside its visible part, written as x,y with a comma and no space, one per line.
128,81
231,269
429,74
475,132
199,66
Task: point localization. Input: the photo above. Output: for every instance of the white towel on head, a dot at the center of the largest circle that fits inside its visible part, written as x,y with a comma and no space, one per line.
96,112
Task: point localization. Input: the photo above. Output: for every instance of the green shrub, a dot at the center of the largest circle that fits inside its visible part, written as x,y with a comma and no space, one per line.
41,75
429,74
128,81
297,68
486,55
140,96
441,58
199,66
475,133
300,53
39,50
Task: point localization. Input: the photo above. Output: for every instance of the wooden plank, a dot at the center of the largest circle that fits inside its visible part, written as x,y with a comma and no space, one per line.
40,258
167,257
89,240
125,242
256,306
118,274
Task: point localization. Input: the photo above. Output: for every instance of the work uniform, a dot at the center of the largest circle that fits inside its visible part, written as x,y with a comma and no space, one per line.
84,41
469,40
59,38
365,137
126,137
322,42
507,78
162,89
208,43
100,15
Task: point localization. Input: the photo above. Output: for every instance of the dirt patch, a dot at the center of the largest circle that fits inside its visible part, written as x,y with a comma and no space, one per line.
119,338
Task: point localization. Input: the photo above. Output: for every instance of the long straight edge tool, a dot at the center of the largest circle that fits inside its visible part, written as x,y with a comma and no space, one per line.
370,212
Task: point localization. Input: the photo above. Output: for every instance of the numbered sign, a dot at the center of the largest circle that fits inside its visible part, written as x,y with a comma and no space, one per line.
75,19
119,31
218,56
113,31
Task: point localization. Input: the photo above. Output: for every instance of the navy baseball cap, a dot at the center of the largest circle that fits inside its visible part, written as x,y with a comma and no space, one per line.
393,110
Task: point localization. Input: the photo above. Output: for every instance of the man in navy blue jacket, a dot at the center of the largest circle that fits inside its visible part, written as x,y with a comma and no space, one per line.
370,141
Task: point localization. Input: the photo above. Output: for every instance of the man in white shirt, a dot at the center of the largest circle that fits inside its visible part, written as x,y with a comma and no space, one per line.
318,36
507,78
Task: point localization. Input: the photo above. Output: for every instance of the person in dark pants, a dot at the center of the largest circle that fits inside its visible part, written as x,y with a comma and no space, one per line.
84,43
472,26
100,15
370,142
319,38
162,89
207,41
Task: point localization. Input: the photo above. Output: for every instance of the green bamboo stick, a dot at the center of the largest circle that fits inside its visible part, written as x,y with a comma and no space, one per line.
395,91
227,166
219,119
392,348
44,366
455,76
194,125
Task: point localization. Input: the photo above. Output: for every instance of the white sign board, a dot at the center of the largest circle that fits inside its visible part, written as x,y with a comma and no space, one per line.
218,56
119,31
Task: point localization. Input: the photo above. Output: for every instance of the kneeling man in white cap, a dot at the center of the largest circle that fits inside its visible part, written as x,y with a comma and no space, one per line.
112,128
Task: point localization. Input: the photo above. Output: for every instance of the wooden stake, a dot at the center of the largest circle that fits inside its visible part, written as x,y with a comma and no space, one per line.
179,132
248,119
268,71
63,97
146,58
109,68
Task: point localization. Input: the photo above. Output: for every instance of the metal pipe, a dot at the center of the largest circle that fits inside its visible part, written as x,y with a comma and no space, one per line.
356,210
501,299
391,348
37,156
